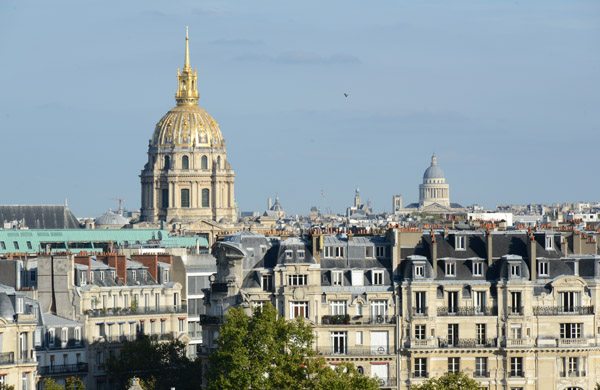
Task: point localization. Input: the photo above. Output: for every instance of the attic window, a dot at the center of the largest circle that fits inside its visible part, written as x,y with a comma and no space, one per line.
289,254
549,242
515,270
543,268
380,251
301,254
83,279
369,251
419,271
478,269
451,268
460,243
250,252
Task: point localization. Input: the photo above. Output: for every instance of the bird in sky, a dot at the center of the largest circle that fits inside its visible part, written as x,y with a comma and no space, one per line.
345,94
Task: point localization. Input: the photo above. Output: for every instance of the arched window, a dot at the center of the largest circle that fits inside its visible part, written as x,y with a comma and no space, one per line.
185,198
204,163
167,162
185,162
219,162
205,197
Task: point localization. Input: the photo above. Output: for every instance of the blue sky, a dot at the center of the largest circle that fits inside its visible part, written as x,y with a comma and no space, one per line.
505,93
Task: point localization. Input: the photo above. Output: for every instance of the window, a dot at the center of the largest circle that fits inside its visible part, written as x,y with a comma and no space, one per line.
78,335
460,243
339,342
377,278
204,162
328,252
301,254
167,162
267,282
516,366
452,334
165,276
219,162
368,251
3,246
478,268
572,367
16,244
549,242
358,278
51,338
481,364
380,251
205,197
337,278
165,198
185,162
515,303
543,267
298,309
297,280
359,337
19,308
480,333
570,330
420,332
419,271
453,365
515,270
420,307
25,381
569,301
185,197
379,307
479,301
450,268
516,331
181,325
452,302
29,246
338,308
339,251
420,368
64,336
289,254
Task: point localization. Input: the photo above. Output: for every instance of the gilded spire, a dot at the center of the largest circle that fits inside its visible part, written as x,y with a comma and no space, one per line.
186,63
187,89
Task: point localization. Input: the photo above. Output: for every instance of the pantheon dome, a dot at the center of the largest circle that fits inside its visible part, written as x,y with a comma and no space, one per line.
187,177
434,189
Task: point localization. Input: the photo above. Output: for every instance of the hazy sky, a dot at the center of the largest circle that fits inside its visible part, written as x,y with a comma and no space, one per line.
506,94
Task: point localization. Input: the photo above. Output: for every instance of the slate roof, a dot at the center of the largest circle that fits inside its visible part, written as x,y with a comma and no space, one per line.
40,216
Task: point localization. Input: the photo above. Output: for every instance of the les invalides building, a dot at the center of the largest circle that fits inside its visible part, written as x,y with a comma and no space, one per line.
187,177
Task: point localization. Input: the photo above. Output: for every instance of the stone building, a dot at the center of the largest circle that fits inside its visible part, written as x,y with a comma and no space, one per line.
516,310
434,188
187,176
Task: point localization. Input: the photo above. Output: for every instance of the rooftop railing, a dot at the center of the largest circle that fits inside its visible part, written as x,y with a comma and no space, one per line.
562,310
136,311
346,319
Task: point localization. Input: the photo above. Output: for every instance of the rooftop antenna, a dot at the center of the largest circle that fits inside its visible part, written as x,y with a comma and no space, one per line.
121,200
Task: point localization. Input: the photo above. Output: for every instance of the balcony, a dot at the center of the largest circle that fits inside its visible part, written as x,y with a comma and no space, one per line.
481,374
572,374
7,358
136,311
571,342
357,320
419,311
562,310
467,311
63,369
422,343
514,311
516,374
364,351
210,320
518,342
467,343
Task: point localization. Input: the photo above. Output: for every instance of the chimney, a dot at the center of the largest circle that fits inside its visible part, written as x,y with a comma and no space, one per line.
564,245
434,254
577,242
532,256
489,248
317,246
149,261
269,203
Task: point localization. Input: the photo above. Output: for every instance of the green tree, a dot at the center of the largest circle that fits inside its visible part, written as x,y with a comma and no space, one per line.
72,383
159,365
449,381
4,386
268,353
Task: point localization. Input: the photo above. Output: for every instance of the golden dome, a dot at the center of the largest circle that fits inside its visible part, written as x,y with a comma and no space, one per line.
187,124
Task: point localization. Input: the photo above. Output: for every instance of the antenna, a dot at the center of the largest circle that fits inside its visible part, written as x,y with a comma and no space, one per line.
121,200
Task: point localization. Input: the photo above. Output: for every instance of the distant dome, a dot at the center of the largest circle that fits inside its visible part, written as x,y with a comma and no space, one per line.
111,218
277,206
434,171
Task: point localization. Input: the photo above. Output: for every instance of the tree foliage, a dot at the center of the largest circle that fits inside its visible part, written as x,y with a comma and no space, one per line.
449,381
268,353
159,365
72,383
4,386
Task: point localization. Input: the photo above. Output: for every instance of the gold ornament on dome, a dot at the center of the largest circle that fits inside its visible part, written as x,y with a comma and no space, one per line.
187,124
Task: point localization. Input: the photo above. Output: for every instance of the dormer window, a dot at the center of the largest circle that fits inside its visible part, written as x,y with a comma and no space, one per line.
419,271
339,251
133,275
92,277
451,268
337,278
460,243
478,268
377,278
549,243
543,268
289,254
380,251
301,254
515,270
250,252
101,275
369,251
328,251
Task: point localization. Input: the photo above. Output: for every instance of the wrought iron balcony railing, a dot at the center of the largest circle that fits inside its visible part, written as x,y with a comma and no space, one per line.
562,310
345,319
467,311
135,311
62,369
467,343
